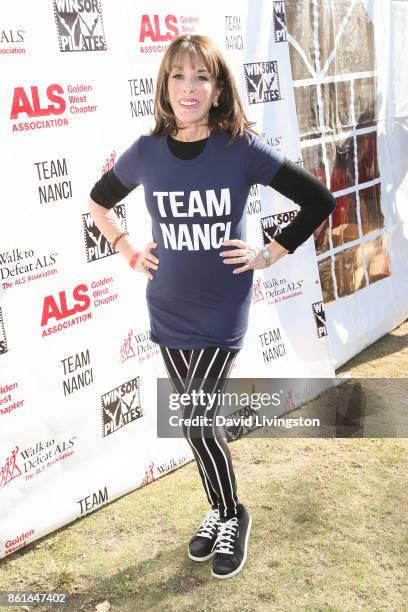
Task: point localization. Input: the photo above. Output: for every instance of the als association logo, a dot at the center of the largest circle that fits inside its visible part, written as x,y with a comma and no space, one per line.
3,339
63,308
279,21
156,29
272,225
35,102
33,106
121,406
79,25
262,82
320,319
96,245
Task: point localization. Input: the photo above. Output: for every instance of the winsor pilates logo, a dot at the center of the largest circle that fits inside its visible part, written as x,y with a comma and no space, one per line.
79,25
3,340
272,225
279,22
320,319
96,244
121,406
262,82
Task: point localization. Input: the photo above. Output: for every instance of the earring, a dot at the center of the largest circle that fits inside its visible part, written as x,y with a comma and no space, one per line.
215,104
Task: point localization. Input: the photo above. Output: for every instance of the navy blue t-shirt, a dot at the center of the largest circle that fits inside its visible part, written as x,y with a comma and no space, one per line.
194,300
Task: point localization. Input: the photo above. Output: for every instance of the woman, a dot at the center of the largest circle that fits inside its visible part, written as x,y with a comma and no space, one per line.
197,166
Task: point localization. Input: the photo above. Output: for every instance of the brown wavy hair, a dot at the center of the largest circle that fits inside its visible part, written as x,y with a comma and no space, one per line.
229,115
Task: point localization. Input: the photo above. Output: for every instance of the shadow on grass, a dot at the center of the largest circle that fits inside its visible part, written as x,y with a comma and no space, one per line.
142,586
378,350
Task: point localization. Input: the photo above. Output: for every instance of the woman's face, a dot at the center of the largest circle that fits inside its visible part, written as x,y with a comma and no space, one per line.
191,92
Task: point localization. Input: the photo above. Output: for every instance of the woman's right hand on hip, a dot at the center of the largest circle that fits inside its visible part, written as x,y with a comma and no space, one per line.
146,261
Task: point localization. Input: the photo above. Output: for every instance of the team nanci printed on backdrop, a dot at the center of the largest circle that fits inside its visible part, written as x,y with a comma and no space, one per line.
78,368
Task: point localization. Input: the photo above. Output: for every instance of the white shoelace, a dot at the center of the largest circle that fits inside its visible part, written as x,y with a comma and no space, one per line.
226,536
210,523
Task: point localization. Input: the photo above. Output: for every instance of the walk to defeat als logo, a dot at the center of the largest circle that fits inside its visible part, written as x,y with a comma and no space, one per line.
79,25
262,82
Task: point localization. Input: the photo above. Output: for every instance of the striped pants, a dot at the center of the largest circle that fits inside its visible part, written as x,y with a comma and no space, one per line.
211,367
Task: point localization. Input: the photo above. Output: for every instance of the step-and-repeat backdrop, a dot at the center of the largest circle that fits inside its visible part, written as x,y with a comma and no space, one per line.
77,369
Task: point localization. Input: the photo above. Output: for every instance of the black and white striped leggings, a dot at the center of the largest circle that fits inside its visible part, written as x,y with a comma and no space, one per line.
210,449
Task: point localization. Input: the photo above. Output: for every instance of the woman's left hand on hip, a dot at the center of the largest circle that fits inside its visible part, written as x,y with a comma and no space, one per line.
250,257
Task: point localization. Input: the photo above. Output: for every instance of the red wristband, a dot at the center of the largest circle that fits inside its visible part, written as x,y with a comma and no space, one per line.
133,259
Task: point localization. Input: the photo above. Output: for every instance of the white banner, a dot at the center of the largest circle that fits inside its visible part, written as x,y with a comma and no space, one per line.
78,371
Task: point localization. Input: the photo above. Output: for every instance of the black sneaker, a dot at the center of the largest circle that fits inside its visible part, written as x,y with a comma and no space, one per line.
201,546
232,545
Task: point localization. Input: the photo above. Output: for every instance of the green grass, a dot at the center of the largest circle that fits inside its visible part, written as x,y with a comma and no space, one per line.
329,533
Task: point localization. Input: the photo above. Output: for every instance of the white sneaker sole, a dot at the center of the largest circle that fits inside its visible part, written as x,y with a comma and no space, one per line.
241,565
210,556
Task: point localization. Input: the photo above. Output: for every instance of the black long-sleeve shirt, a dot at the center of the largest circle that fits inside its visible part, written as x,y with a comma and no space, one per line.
291,180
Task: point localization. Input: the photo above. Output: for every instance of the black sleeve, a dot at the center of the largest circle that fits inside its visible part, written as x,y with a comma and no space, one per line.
108,191
315,200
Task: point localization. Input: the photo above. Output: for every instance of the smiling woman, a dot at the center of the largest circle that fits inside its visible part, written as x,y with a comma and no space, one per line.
194,70
192,91
197,166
